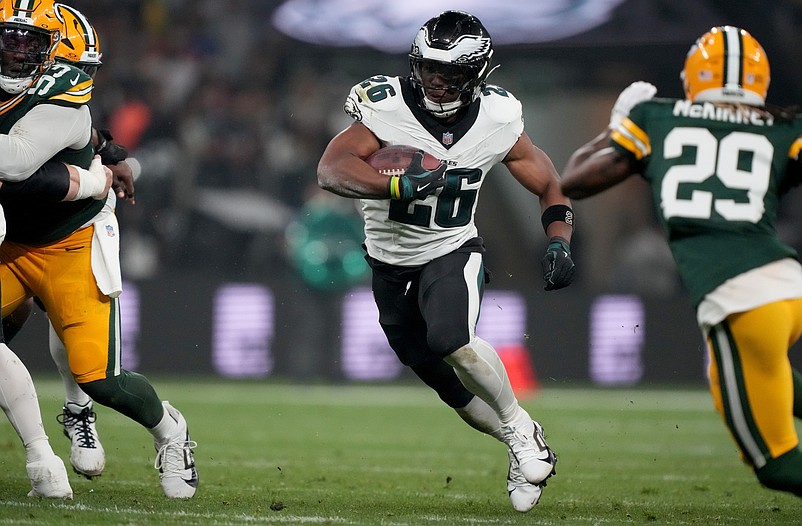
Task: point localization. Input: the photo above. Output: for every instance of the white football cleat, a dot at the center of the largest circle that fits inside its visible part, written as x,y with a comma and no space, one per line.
526,442
49,478
523,495
175,461
86,453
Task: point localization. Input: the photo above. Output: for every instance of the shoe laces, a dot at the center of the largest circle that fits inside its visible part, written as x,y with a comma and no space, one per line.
175,456
80,424
514,476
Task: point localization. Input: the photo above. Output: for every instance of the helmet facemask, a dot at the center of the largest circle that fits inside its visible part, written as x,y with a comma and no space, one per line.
28,40
449,61
23,51
444,87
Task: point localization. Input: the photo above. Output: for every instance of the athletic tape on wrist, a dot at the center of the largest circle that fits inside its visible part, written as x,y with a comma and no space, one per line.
90,184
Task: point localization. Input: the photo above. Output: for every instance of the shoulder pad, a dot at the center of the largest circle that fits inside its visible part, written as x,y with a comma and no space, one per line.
376,94
500,105
64,85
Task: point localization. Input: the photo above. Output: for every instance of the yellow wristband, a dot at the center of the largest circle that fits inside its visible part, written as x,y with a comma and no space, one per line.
395,191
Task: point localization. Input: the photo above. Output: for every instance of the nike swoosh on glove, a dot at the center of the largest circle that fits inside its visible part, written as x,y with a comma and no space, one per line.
558,267
417,183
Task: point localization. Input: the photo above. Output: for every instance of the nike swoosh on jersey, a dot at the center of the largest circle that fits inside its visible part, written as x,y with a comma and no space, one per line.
422,186
75,80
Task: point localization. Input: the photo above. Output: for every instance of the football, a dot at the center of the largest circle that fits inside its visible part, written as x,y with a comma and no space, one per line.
394,160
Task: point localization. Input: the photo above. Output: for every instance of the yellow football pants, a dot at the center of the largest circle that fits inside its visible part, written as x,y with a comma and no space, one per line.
751,381
60,275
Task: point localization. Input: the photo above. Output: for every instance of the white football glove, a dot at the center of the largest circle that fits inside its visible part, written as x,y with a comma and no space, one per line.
633,94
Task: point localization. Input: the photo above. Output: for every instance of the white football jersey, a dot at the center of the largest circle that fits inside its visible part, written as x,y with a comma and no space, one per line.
410,234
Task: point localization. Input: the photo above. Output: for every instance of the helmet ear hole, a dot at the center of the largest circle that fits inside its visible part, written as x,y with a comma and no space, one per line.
459,46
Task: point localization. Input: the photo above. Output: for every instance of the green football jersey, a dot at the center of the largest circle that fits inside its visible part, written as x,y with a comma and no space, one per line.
716,174
38,222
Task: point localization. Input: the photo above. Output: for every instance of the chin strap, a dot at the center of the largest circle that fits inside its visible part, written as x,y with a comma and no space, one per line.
442,110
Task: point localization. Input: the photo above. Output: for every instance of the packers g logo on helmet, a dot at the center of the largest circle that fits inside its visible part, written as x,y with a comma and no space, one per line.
80,44
726,64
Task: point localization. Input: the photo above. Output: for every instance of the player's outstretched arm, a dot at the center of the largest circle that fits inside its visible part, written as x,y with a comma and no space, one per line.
593,168
55,181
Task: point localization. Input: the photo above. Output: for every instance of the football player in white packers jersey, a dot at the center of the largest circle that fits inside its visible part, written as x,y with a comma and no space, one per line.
421,240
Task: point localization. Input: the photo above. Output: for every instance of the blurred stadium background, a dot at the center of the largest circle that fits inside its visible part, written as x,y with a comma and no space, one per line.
237,265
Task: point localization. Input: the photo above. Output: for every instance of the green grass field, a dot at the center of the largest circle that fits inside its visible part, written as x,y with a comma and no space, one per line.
395,456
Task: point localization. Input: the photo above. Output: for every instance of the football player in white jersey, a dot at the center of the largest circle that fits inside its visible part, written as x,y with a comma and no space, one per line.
421,240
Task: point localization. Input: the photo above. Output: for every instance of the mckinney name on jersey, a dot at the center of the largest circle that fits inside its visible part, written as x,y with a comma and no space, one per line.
733,114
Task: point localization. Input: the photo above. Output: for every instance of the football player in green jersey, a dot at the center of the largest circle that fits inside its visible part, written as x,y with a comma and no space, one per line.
79,46
65,253
718,162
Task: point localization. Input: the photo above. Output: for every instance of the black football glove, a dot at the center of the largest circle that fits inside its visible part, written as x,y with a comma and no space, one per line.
110,153
417,183
558,268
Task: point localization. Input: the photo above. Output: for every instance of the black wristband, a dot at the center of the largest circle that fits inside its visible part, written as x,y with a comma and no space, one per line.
557,213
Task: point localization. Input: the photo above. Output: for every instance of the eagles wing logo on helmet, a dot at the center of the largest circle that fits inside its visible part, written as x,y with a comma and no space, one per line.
470,49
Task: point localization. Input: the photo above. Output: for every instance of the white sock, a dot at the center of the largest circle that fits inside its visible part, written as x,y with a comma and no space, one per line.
482,372
73,394
481,417
165,429
20,403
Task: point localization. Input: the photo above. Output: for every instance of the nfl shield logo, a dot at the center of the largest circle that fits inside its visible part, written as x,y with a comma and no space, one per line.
110,231
448,138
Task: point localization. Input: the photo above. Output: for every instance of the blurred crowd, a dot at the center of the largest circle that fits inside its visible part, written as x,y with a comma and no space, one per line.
227,122
228,117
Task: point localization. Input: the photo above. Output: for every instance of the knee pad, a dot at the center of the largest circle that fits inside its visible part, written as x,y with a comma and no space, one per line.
445,342
441,377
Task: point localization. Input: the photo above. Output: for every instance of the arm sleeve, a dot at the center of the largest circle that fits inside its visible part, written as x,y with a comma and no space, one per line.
50,183
39,135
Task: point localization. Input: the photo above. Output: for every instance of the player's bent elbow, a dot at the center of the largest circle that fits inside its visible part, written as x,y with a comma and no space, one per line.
324,181
327,180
